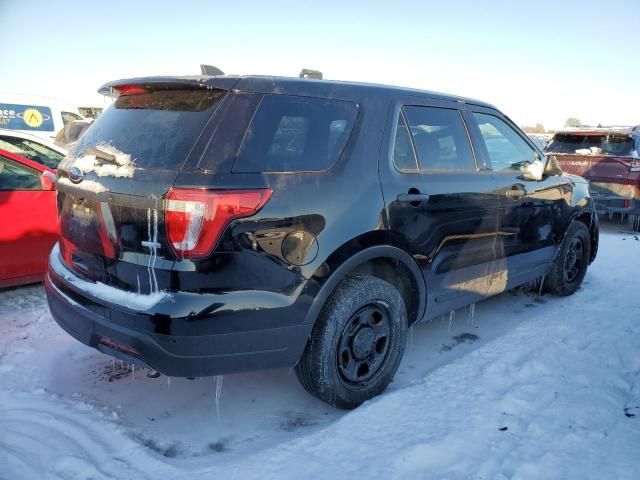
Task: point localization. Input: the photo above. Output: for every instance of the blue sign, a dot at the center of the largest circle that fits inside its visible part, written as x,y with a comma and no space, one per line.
26,117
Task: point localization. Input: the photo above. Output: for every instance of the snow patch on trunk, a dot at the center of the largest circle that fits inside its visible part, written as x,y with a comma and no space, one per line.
123,165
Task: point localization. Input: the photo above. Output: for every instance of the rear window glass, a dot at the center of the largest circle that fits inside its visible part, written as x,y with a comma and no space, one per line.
581,144
289,134
157,129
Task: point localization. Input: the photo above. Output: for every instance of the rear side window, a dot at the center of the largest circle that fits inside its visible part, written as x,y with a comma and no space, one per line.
440,139
507,149
293,134
158,129
404,156
14,176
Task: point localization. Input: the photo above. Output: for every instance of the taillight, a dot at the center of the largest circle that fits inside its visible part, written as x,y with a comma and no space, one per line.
635,165
129,89
195,219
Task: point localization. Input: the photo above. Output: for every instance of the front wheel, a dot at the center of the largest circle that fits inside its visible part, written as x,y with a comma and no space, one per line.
357,343
571,264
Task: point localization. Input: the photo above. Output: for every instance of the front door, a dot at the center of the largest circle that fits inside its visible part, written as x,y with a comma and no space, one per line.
440,207
530,210
28,231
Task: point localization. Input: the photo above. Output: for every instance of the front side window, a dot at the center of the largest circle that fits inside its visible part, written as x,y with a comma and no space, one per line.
14,176
507,150
31,150
440,138
293,134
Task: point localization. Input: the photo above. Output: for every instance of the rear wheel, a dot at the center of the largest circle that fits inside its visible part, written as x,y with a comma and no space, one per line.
357,343
571,264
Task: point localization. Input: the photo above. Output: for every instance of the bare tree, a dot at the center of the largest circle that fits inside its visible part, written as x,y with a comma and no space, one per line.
539,128
572,122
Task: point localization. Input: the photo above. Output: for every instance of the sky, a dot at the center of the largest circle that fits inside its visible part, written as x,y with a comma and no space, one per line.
537,61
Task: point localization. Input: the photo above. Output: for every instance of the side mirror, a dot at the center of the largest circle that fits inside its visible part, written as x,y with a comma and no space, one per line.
533,170
553,166
48,181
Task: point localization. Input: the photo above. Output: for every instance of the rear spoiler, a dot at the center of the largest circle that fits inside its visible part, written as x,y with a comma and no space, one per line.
150,84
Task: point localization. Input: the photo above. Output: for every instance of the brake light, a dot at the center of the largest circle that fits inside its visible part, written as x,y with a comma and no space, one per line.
195,219
129,89
635,165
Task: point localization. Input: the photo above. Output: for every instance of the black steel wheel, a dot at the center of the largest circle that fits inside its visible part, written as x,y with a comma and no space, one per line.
356,344
572,261
364,343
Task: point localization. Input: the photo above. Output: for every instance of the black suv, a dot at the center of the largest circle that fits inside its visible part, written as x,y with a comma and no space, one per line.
213,225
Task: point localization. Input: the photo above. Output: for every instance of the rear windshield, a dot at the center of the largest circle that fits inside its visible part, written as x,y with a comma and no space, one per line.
581,144
289,134
157,129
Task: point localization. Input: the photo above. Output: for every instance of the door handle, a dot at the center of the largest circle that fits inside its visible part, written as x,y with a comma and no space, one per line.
413,197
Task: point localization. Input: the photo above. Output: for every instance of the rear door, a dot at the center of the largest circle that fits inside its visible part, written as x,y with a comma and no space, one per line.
441,207
28,231
113,183
530,210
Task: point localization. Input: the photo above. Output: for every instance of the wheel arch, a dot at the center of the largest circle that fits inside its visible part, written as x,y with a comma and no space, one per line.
590,219
383,261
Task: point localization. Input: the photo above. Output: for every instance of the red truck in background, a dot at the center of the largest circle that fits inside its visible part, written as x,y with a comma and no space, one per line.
609,158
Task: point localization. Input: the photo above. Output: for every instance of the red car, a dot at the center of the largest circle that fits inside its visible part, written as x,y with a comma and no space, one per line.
28,217
609,158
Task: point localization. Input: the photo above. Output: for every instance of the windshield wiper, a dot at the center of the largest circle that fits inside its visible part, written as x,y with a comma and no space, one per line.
101,154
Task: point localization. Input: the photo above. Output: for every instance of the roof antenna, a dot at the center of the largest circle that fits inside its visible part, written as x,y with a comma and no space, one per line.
311,74
210,70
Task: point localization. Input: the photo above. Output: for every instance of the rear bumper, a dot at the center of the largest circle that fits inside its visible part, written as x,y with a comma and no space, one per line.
612,204
615,198
199,345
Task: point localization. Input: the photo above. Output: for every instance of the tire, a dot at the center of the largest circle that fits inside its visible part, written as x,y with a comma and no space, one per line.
357,343
570,266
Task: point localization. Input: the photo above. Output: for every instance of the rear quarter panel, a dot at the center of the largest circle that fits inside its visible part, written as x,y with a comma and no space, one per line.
313,221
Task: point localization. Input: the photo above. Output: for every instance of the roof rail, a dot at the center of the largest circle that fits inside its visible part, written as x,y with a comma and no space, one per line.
308,73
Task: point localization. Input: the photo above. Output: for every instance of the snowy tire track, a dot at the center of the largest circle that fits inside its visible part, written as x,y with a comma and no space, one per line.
43,436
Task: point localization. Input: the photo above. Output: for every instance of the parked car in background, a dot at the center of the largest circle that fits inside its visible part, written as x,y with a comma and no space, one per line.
40,116
609,158
69,135
219,224
32,147
29,219
540,139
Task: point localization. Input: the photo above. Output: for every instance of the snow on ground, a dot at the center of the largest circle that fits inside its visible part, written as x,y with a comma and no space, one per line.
532,387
